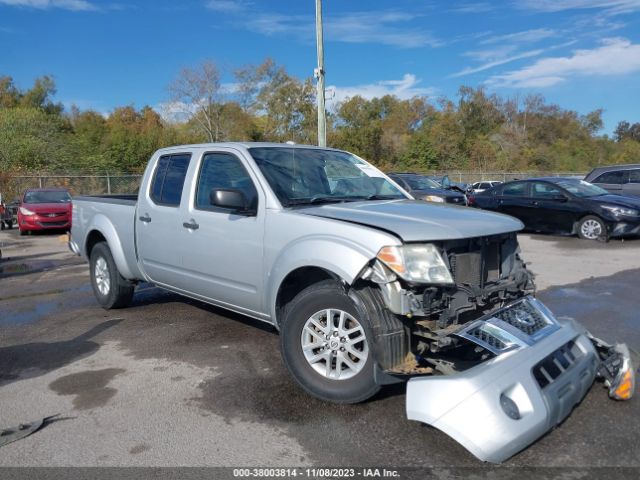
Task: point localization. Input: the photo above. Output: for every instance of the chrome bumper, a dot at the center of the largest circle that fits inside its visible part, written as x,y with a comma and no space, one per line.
501,406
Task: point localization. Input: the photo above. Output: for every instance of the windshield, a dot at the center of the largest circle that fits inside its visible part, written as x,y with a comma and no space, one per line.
580,188
301,176
421,183
47,196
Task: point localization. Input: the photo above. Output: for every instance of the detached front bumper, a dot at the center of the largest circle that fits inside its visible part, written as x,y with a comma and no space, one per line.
501,406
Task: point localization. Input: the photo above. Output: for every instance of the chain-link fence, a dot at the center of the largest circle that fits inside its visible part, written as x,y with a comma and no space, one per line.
12,187
472,177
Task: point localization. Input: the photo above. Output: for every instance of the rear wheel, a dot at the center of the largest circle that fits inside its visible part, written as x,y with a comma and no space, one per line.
325,343
110,288
592,228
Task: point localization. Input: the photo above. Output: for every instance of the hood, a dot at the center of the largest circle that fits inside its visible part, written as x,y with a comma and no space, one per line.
48,207
628,202
417,221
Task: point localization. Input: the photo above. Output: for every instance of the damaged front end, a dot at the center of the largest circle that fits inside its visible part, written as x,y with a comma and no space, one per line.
487,363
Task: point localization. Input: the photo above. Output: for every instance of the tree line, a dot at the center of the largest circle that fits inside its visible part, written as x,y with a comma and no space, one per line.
477,130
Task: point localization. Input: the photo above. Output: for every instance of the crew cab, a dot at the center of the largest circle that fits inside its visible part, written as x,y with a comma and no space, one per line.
366,285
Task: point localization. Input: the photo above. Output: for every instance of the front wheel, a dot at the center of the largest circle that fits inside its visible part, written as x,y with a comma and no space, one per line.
592,228
325,342
110,288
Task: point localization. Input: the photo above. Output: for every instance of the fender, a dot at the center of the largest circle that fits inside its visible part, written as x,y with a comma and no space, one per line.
102,224
340,256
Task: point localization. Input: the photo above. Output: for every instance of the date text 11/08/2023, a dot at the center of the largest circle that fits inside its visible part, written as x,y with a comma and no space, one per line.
315,472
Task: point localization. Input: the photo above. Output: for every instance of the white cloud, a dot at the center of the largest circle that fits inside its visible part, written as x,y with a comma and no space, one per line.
612,7
527,36
176,112
405,88
388,27
615,56
378,27
474,7
226,6
75,5
496,63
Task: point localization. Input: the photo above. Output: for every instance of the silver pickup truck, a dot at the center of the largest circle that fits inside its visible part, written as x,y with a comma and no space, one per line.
366,285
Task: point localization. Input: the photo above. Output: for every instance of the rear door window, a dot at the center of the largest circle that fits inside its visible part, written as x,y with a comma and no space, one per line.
515,190
634,176
616,177
168,181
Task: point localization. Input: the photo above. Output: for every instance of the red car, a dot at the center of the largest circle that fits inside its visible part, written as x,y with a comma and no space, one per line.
44,209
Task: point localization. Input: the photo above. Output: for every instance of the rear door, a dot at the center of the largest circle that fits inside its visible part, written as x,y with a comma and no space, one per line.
613,181
632,188
159,220
513,200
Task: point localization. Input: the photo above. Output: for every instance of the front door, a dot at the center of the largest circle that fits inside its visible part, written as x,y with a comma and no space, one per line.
613,181
222,250
551,209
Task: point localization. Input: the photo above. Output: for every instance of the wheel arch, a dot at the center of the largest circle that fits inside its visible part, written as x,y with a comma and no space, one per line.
296,281
103,230
309,261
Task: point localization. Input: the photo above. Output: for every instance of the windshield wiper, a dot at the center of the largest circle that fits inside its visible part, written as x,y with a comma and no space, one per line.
321,199
383,197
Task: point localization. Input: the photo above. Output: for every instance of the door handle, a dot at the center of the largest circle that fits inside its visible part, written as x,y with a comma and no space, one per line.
535,203
145,218
192,225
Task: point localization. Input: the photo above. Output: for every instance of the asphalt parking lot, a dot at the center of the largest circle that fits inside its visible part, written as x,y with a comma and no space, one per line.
174,382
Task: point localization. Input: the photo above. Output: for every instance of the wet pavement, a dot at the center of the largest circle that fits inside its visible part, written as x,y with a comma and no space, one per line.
171,381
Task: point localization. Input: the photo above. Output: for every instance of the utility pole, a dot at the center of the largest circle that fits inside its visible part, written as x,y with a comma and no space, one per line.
319,74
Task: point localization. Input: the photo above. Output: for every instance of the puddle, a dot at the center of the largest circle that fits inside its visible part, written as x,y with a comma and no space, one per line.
40,309
12,269
90,387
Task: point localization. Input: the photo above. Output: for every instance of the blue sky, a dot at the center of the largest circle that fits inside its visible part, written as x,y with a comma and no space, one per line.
581,54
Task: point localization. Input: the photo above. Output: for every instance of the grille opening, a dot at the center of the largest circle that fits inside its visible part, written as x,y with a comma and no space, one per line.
524,317
550,368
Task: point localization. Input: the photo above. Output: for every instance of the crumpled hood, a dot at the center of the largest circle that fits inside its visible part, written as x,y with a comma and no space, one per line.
415,221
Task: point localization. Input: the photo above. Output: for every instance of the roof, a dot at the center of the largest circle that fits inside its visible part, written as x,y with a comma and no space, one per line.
244,145
627,166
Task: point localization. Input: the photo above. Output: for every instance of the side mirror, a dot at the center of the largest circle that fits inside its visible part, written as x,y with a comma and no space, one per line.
230,198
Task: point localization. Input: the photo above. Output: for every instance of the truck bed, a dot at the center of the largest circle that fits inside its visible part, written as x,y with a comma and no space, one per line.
113,216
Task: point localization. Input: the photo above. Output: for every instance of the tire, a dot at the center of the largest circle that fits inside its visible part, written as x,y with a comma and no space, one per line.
10,224
109,287
592,228
348,375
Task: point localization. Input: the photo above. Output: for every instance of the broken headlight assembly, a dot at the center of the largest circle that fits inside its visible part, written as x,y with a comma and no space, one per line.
417,263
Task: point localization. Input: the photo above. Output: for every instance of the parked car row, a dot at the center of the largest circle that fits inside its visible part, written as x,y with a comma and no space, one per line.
565,206
557,205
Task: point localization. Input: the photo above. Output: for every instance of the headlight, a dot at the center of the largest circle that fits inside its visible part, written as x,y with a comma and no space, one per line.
416,263
26,211
433,198
626,212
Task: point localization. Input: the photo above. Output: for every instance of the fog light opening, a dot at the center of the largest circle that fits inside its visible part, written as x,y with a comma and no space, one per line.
509,407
